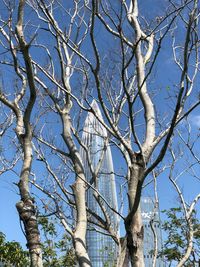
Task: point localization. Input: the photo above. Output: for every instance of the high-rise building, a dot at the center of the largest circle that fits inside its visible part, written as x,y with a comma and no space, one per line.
151,220
101,247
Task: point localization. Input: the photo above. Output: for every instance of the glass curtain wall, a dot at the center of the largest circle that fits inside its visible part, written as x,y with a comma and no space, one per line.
149,214
101,247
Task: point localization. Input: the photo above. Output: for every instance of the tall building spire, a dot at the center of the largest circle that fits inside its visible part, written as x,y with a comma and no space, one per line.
101,247
92,125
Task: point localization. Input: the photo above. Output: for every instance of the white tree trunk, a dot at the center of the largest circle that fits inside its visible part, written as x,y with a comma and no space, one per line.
79,189
26,208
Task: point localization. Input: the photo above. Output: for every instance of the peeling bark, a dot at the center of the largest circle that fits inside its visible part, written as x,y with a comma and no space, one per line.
135,235
133,222
27,213
26,208
123,259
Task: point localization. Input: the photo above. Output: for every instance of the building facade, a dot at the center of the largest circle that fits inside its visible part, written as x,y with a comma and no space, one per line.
101,247
151,220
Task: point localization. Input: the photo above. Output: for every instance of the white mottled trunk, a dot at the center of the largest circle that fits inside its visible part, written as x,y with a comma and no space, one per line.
133,222
81,225
134,230
79,188
123,258
26,208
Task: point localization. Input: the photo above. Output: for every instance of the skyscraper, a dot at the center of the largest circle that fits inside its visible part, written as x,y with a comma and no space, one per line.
101,247
151,218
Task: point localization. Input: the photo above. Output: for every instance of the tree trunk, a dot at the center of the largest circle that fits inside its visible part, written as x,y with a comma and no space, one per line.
81,224
189,247
27,213
135,234
81,252
123,259
79,189
133,222
26,208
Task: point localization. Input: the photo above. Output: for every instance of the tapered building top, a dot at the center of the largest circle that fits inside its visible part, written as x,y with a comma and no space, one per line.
92,124
101,247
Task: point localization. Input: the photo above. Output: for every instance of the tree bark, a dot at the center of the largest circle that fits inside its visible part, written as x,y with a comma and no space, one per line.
135,234
27,213
133,222
26,208
81,225
189,247
123,258
79,188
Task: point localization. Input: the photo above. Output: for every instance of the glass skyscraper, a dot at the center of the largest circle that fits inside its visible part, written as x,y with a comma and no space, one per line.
149,214
101,247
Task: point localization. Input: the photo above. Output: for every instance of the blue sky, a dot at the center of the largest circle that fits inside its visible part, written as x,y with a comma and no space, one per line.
9,217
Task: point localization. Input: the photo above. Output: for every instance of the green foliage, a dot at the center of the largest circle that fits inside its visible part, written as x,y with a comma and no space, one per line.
177,230
12,253
57,252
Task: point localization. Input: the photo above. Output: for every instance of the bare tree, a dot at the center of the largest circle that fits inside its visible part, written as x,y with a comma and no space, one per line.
26,207
75,66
